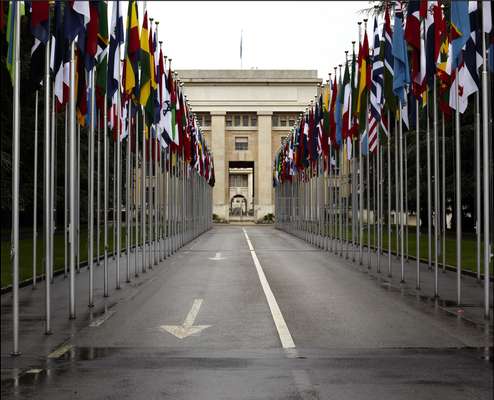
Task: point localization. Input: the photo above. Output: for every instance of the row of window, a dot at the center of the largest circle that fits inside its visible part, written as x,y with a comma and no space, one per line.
242,142
239,180
249,120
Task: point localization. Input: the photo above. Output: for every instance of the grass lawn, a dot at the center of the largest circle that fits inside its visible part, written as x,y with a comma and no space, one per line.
26,253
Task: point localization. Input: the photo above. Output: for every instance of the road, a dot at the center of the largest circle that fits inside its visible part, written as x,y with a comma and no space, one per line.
259,314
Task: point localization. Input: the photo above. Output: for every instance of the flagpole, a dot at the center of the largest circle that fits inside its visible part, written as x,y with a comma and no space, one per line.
53,155
397,184
105,195
458,192
128,230
66,195
486,175
478,201
119,178
388,146
405,184
98,188
150,199
417,194
402,243
136,192
90,246
114,198
47,181
143,193
72,181
78,198
360,184
436,193
443,149
15,183
35,191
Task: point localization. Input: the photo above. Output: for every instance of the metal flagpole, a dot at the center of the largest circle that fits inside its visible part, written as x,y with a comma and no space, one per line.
388,146
15,181
486,175
66,196
478,201
119,180
114,198
378,189
405,184
150,200
156,189
443,182
397,184
429,197
47,181
90,195
417,192
402,243
143,193
136,192
53,155
458,192
98,189
35,191
128,230
436,193
72,182
105,196
368,190
78,199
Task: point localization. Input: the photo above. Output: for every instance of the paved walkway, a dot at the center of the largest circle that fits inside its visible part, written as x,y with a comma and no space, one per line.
252,312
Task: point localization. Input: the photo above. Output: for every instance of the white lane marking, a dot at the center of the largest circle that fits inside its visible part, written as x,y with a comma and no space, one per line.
187,328
34,371
217,257
304,385
60,351
279,321
102,319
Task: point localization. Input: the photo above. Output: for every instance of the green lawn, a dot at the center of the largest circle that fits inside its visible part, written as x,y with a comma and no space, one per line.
26,251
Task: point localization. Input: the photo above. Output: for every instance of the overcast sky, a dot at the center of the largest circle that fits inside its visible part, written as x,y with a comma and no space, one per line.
276,34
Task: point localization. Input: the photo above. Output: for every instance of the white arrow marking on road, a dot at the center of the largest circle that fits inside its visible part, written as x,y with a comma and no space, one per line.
217,257
187,328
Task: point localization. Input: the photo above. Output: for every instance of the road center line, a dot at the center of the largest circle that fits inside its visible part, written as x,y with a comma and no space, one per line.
60,351
279,321
102,319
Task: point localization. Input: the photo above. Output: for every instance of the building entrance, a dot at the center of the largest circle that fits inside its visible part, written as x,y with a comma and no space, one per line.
241,188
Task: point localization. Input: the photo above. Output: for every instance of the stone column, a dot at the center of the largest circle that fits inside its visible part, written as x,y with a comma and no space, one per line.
264,167
220,203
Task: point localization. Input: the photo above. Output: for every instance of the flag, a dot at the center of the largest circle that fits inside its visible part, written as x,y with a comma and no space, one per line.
165,121
77,15
338,116
151,100
113,80
468,75
389,97
432,40
40,20
11,40
130,73
91,37
443,61
414,36
460,29
332,113
325,120
102,56
354,97
401,76
145,63
59,47
81,88
346,104
364,80
376,95
173,108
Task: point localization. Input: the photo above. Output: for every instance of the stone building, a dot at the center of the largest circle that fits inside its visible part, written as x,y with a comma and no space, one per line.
245,114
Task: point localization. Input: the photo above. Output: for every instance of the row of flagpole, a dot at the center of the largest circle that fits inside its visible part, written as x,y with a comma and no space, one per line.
296,200
167,186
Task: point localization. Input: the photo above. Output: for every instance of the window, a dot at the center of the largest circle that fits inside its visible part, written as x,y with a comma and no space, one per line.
253,120
275,120
239,180
236,120
284,120
228,120
207,120
204,119
241,143
245,120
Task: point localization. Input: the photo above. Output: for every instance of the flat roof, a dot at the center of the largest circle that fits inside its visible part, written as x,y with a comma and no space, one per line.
248,75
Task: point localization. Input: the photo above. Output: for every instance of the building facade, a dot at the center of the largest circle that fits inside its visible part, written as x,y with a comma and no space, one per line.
245,114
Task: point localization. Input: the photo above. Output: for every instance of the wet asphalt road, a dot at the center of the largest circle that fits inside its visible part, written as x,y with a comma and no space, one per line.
353,338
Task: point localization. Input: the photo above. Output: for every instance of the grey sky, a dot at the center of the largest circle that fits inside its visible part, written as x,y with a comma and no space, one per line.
276,35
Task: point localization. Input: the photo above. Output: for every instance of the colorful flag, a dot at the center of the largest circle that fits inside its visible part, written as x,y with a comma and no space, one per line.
77,15
413,36
460,29
401,76
389,96
376,95
59,47
332,113
102,56
363,82
130,73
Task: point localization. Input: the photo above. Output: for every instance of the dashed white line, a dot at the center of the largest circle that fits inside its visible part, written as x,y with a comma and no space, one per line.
102,319
283,332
